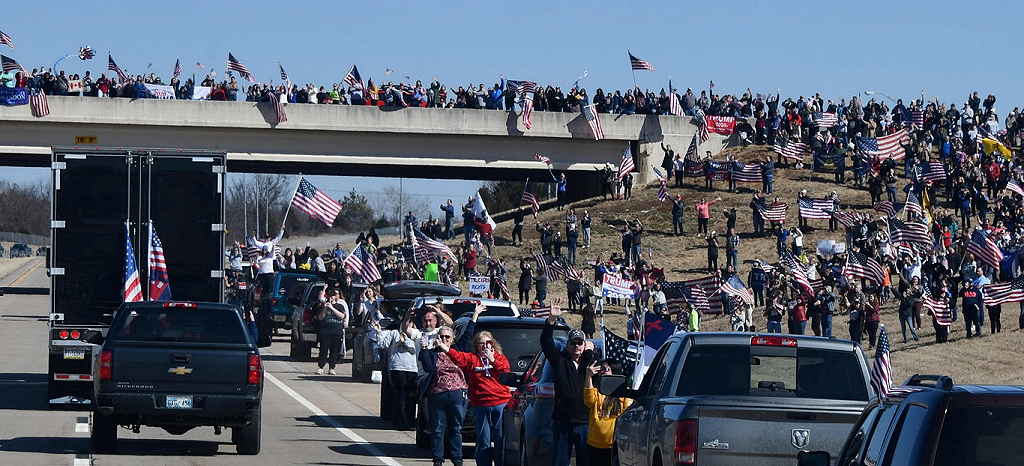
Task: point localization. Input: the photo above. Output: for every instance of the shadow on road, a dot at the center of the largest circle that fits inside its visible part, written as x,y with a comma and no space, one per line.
168,447
23,391
45,445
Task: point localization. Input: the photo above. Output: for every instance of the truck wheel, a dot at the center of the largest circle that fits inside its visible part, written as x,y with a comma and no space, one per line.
248,436
104,434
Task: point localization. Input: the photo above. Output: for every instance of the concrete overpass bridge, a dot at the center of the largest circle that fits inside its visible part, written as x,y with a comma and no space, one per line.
351,141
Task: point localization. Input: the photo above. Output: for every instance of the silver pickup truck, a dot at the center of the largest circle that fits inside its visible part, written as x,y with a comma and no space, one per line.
712,399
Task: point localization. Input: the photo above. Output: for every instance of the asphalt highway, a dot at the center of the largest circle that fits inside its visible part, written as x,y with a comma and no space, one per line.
307,419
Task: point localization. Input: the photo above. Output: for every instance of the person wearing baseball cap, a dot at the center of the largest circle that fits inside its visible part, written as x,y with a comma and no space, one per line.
571,415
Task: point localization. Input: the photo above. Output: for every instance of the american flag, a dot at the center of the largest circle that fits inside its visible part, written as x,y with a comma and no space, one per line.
542,312
887,207
861,266
815,208
363,264
691,152
10,64
530,199
132,290
427,247
315,203
773,213
159,281
746,172
789,149
521,87
933,171
235,65
985,249
626,164
561,268
1012,185
284,77
913,203
502,287
617,348
917,118
177,68
353,77
939,307
590,114
111,66
709,285
734,287
544,267
881,372
909,232
527,113
673,104
541,158
6,39
764,265
702,126
86,53
200,66
799,272
846,218
887,146
663,189
824,119
1006,292
639,64
677,293
278,107
40,107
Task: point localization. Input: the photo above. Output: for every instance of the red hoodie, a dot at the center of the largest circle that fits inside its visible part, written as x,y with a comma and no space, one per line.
484,388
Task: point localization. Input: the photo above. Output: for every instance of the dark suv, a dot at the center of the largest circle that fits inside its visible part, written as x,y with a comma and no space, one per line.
21,250
931,422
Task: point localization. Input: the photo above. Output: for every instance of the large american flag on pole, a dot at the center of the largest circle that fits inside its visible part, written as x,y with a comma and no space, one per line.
887,207
881,371
159,281
177,67
789,149
691,152
426,247
544,267
314,202
677,293
861,266
909,232
985,249
702,126
1006,292
626,164
530,199
735,287
521,87
132,290
799,272
541,158
235,65
638,64
673,104
363,264
111,66
590,114
890,146
773,213
913,203
353,77
619,349
6,39
10,64
815,208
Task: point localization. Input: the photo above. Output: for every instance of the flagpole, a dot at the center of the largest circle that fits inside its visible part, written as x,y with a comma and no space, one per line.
289,209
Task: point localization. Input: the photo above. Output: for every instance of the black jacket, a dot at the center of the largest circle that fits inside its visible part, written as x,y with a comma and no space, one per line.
569,379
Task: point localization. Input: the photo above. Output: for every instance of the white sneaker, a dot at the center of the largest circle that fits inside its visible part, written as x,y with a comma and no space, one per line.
320,371
331,372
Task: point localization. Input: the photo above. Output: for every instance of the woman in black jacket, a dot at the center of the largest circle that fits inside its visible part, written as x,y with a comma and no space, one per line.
525,281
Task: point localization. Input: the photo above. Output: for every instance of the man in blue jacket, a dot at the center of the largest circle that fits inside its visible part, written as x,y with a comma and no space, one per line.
449,218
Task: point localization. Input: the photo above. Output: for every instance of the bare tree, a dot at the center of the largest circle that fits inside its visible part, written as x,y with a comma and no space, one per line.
392,204
257,203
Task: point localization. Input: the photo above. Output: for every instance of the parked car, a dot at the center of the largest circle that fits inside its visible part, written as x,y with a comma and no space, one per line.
520,342
273,304
42,250
304,326
3,251
527,421
21,250
929,421
459,306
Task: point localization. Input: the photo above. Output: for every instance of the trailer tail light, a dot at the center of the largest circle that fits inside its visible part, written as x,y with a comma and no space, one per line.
63,334
106,371
772,341
255,369
181,305
75,334
686,442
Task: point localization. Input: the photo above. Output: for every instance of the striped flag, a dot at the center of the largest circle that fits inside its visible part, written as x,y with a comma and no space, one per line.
590,114
132,290
702,126
638,64
691,152
278,107
861,266
314,202
673,105
940,309
735,287
846,218
527,113
363,264
1006,292
886,207
933,171
917,118
815,208
177,68
544,267
626,164
663,189
824,119
789,149
200,66
561,268
1013,186
542,312
746,172
6,39
253,249
709,285
10,64
678,293
111,66
502,287
799,271
235,65
353,77
521,87
913,203
530,199
881,371
86,53
890,146
40,107
426,247
985,249
773,213
541,158
159,281
284,77
909,232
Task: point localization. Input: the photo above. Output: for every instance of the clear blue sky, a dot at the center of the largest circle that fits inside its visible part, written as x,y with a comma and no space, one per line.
899,48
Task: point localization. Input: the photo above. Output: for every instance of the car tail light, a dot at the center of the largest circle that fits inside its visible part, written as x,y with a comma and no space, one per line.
257,294
75,334
243,285
772,341
544,390
686,442
305,315
255,369
181,305
273,301
63,334
106,371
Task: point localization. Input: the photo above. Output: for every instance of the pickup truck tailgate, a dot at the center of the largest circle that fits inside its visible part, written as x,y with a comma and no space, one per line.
195,370
735,434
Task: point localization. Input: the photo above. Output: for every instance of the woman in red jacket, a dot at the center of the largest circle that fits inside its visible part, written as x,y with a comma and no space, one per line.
487,396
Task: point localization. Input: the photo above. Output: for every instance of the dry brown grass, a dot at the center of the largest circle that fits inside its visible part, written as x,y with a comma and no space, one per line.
990,359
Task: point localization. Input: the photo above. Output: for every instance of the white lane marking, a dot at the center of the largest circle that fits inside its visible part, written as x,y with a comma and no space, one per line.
83,460
354,437
82,425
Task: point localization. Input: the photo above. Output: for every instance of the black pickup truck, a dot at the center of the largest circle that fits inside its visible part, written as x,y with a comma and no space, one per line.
177,366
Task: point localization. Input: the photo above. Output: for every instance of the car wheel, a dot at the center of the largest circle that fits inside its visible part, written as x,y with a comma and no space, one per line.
248,436
104,434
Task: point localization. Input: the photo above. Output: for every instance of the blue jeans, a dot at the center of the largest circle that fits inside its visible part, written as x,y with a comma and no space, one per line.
826,325
800,327
767,184
447,410
774,326
677,225
568,435
487,420
908,321
732,258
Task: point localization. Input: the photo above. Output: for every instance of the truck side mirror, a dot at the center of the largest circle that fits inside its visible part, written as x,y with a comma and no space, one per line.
813,458
510,379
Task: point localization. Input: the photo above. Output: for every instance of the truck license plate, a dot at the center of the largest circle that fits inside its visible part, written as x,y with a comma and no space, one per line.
179,402
74,353
279,318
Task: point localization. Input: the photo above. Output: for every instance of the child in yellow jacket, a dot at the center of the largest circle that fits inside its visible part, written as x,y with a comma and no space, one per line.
604,410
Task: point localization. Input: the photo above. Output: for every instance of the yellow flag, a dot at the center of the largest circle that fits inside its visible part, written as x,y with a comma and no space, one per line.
991,145
926,206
